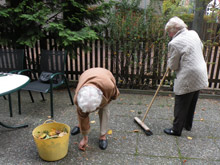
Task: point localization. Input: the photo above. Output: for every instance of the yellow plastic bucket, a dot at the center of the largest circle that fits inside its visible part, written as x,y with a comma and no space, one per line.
51,149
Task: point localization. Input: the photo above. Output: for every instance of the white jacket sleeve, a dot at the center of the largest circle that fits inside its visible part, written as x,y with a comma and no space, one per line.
174,57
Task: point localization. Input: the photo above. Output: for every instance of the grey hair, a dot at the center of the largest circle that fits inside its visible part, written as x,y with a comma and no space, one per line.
89,98
175,24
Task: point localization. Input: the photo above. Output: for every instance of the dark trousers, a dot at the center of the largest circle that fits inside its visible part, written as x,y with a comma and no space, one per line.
184,109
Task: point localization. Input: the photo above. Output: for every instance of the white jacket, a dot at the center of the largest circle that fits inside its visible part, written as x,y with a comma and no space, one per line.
185,57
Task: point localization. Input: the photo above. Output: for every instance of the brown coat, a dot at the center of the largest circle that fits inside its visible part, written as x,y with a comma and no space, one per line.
102,79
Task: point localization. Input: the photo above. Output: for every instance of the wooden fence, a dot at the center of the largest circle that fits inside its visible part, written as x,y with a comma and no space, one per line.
212,54
141,67
145,72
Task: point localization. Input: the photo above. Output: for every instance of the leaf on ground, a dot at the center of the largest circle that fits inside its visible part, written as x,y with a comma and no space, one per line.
146,105
75,143
92,122
184,161
172,98
136,130
121,99
49,117
201,119
203,109
132,110
124,137
109,132
190,138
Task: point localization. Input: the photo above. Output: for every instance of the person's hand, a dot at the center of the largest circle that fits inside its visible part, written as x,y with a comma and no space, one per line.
83,143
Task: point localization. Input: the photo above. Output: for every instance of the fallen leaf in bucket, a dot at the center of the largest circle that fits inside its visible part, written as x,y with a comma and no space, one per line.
53,136
136,130
92,122
190,138
109,132
58,131
62,134
48,137
52,132
42,136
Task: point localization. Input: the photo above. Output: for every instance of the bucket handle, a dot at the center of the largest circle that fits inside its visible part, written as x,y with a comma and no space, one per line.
49,120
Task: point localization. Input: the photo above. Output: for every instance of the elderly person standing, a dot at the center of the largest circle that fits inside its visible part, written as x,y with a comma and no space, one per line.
185,57
95,90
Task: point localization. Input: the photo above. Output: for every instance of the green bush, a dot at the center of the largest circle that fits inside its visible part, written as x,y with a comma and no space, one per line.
70,22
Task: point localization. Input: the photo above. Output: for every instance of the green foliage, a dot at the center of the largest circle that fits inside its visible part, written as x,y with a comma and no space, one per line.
134,30
176,7
70,22
128,22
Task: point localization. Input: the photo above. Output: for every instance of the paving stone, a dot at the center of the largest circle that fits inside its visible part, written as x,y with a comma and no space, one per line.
141,160
201,148
156,145
199,162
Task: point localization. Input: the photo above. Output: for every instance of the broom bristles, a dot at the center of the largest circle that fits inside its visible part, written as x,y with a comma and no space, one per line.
145,128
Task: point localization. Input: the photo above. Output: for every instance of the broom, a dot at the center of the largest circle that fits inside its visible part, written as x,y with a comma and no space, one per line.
141,122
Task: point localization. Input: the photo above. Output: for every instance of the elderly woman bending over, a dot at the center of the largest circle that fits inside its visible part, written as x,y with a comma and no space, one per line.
95,90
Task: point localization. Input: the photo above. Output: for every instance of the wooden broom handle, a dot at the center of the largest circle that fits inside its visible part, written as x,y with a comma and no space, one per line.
145,115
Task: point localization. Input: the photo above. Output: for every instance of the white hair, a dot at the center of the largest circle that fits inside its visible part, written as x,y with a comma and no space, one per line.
175,24
89,98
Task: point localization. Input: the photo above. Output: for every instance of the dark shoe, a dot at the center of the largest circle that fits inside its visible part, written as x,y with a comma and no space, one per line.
187,128
171,132
103,144
75,131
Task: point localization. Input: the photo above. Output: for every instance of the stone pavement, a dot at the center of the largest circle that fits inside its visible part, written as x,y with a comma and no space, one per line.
127,144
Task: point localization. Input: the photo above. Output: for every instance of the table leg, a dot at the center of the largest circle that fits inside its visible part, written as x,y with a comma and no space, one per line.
13,127
10,107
